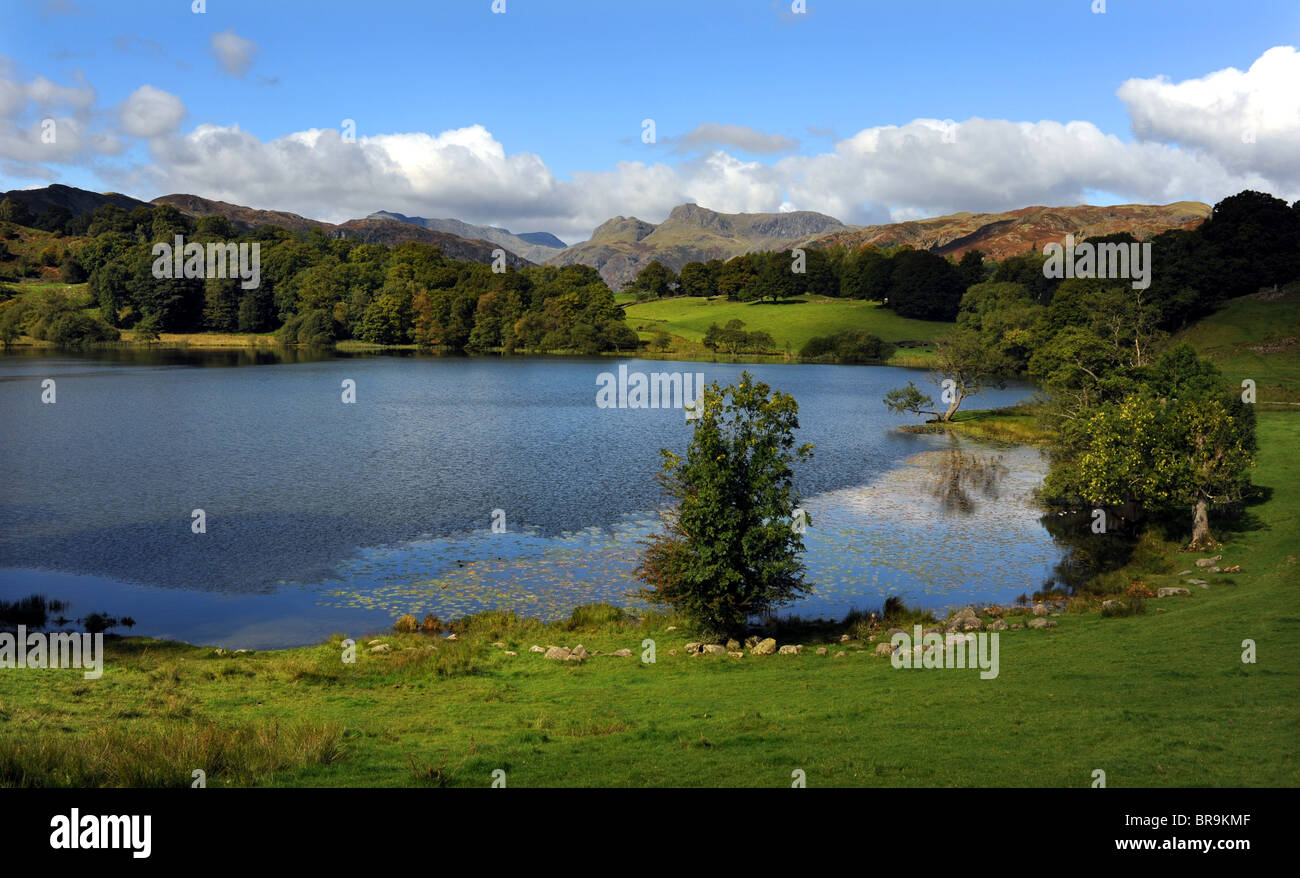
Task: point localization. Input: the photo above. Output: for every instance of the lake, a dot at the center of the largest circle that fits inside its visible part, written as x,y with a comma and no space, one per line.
327,517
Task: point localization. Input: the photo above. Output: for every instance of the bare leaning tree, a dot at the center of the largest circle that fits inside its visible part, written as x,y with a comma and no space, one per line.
964,365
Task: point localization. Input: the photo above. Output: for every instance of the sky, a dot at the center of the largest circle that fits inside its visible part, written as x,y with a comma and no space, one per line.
555,115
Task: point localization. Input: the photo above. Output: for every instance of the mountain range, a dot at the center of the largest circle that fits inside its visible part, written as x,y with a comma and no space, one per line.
622,246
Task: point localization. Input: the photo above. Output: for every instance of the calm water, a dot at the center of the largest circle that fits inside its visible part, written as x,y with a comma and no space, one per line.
324,517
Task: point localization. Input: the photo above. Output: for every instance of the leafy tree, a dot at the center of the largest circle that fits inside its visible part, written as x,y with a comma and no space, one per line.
925,286
656,280
697,280
730,550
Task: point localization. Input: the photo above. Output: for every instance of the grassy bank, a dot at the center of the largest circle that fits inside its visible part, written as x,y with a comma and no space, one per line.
1157,699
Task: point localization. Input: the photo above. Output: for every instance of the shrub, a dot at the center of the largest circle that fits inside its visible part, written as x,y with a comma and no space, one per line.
405,624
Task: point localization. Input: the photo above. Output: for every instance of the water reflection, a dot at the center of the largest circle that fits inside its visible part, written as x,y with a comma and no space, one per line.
961,476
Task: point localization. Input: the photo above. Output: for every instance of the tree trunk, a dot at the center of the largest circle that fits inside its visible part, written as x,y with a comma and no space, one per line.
1201,538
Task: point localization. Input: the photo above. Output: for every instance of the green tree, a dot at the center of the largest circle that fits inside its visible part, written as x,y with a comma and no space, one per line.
730,548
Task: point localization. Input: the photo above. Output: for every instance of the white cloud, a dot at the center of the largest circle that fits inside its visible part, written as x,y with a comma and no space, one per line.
234,53
151,112
1249,121
740,137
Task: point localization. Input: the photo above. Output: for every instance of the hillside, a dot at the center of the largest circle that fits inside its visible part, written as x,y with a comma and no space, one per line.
622,246
370,230
1014,232
74,201
534,246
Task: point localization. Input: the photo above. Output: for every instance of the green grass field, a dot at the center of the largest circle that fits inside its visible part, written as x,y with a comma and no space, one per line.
1256,337
794,320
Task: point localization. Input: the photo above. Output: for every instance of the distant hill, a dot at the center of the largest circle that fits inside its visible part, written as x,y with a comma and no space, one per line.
533,246
369,230
1014,232
622,246
74,201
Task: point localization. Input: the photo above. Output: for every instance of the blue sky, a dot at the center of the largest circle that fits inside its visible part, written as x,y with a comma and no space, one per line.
570,81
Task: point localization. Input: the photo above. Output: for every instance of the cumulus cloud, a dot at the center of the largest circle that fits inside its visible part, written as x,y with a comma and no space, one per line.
233,52
1248,120
151,112
739,137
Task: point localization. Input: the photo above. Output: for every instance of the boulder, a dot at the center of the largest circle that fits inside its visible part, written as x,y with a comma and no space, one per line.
1040,610
382,647
1112,605
791,649
736,654
732,645
622,653
1170,591
998,625
693,647
751,641
499,645
535,649
844,638
965,620
580,652
1235,568
1184,572
821,650
1208,562
884,648
559,653
840,654
1017,626
672,652
766,646
671,628
1042,623
511,652
715,649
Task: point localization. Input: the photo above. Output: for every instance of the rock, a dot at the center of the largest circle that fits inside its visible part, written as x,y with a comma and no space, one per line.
373,642
1208,562
694,647
671,628
821,650
791,649
1040,610
220,651
844,638
559,653
499,645
1215,570
1201,582
1042,623
1235,568
892,631
535,649
766,646
715,649
1017,626
573,657
998,625
732,645
451,636
622,653
840,654
965,620
1170,591
581,652
383,647
1184,572
751,641
736,654
509,652
884,648
672,652
1112,605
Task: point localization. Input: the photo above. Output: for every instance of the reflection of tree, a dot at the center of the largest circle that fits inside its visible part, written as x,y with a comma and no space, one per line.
960,477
